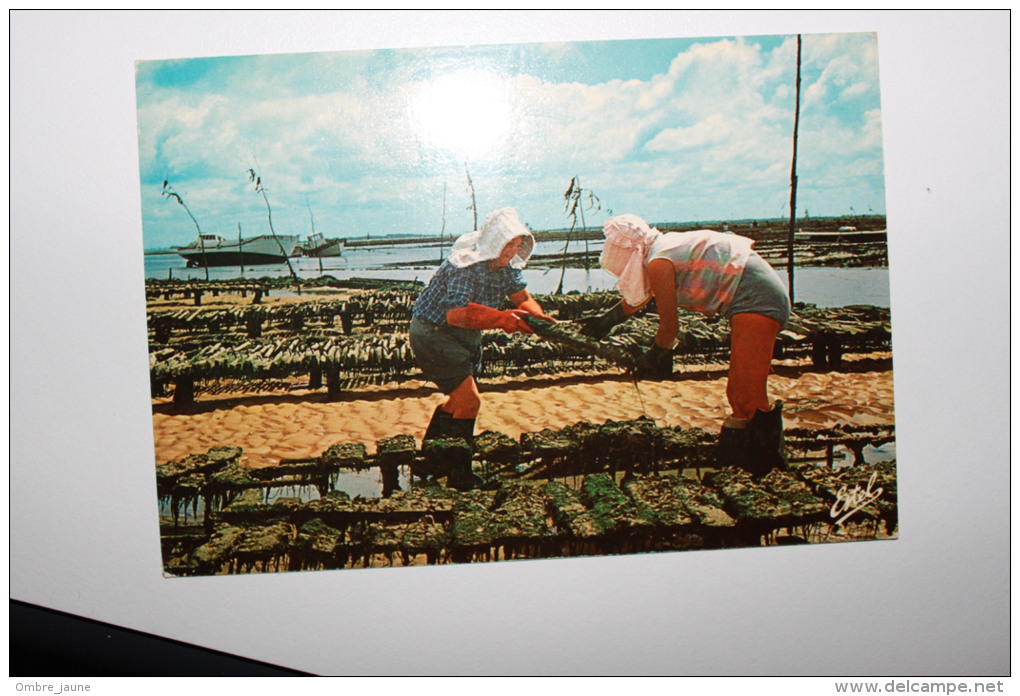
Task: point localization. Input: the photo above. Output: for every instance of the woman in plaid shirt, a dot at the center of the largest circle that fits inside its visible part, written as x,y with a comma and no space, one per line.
464,297
711,273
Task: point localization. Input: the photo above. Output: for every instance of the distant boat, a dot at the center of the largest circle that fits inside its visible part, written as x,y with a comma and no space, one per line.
319,247
844,235
213,250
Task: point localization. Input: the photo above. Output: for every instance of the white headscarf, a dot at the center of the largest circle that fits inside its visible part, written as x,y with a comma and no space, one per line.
628,239
500,227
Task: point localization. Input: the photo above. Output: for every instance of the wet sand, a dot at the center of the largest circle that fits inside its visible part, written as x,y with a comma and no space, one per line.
300,423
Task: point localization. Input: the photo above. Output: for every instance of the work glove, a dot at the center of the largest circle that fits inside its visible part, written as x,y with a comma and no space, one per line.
477,316
654,363
600,326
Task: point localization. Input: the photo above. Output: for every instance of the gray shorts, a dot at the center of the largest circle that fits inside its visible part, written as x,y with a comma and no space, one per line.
447,355
761,291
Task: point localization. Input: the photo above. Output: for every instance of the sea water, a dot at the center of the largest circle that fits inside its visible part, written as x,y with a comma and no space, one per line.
366,484
822,286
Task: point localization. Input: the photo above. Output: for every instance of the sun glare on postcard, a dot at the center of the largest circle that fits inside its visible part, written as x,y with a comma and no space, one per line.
465,113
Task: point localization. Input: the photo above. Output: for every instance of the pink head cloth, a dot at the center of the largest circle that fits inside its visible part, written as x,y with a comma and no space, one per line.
628,239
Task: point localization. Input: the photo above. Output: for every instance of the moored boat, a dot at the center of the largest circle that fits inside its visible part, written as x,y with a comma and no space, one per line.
319,247
213,250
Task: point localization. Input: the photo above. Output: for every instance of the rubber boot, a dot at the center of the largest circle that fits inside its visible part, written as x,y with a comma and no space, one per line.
460,476
733,449
426,465
448,458
434,427
766,441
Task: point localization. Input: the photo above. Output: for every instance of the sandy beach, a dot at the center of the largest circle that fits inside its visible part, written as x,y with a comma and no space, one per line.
299,423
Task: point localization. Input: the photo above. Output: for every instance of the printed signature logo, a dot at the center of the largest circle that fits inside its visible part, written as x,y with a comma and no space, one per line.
850,501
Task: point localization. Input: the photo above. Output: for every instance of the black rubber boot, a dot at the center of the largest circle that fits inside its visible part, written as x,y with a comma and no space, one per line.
766,442
460,427
434,427
733,447
432,463
460,476
447,450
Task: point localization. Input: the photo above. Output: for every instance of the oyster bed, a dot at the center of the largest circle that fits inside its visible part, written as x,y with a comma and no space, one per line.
193,349
620,487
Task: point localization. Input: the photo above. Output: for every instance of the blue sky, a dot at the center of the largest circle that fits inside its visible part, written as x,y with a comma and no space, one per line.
365,142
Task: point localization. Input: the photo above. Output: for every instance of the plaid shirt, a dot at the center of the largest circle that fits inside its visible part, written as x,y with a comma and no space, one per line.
708,267
453,287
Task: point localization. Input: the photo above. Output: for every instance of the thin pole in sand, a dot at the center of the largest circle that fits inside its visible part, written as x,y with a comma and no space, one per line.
240,249
793,177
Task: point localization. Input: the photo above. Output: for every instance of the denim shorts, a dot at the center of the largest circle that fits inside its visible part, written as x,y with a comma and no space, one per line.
761,291
447,355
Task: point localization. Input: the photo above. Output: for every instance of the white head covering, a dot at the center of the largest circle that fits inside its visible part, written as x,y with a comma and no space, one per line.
628,239
501,226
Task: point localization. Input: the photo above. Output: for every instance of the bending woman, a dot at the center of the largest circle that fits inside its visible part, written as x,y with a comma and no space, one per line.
711,273
463,298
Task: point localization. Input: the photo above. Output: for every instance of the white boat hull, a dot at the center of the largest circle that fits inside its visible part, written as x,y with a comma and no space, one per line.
256,251
319,247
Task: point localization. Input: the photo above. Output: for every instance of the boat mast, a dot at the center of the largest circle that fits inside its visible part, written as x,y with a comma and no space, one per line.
321,249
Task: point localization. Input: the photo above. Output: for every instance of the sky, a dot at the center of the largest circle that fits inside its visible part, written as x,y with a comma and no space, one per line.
370,143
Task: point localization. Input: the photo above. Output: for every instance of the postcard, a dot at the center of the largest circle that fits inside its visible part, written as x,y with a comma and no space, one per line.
516,302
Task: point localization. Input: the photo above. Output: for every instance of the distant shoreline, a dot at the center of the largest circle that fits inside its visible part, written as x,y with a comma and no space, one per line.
756,229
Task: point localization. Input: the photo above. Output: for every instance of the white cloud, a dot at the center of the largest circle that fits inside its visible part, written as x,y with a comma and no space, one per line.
712,129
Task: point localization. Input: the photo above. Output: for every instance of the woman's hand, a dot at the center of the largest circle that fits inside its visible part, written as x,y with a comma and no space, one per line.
476,316
528,304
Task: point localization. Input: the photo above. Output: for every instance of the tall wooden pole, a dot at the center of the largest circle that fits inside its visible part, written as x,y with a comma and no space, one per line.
793,177
474,206
168,191
259,188
442,228
240,249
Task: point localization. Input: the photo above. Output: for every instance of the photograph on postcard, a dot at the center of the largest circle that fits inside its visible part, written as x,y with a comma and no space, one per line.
533,301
